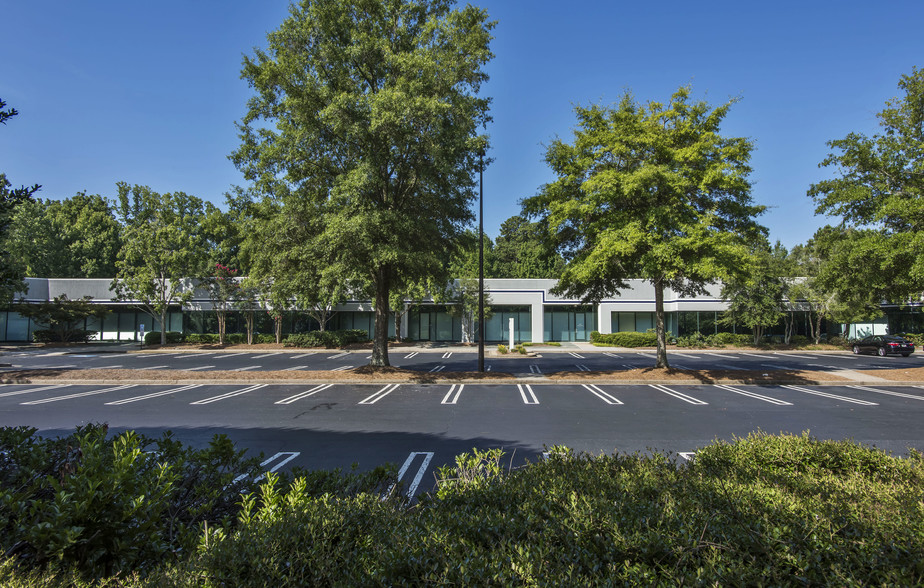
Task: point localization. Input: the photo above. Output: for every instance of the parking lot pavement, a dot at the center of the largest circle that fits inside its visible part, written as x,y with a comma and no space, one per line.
424,426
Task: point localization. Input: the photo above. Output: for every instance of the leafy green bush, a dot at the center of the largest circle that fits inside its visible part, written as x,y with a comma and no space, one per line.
501,348
72,336
202,338
325,338
153,337
624,339
916,338
264,338
797,340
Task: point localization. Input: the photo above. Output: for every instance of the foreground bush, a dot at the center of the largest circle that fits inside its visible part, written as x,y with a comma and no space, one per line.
71,336
625,339
326,338
153,337
766,510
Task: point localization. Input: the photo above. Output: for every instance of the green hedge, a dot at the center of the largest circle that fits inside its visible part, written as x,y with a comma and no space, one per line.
153,337
72,336
326,338
624,339
765,510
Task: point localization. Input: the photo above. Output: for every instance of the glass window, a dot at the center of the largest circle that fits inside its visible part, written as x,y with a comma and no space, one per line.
626,321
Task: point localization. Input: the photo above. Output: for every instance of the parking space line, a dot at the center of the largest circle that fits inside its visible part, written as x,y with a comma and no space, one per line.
227,395
294,368
154,395
411,354
412,489
246,369
266,355
108,367
648,355
80,394
528,390
599,393
577,355
680,366
153,367
450,398
612,355
777,367
42,389
826,395
339,355
754,395
305,394
582,367
342,368
438,368
447,355
890,393
687,455
197,368
793,355
749,354
678,395
721,356
533,368
686,355
380,394
291,455
227,355
301,355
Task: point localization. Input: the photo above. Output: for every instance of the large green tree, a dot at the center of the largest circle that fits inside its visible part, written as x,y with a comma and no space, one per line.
11,272
164,247
521,251
648,191
370,110
879,191
756,295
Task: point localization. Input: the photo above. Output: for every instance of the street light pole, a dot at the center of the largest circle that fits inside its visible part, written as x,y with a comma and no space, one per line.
481,262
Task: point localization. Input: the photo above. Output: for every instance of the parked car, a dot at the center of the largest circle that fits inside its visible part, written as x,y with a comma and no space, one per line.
883,345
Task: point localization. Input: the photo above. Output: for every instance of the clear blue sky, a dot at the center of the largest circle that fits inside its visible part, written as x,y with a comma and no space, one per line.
148,92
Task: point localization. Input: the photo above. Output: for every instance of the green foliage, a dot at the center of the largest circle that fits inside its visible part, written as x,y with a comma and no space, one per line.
366,123
520,349
154,337
648,191
624,339
105,506
326,338
522,251
698,340
916,338
64,318
72,336
755,294
501,348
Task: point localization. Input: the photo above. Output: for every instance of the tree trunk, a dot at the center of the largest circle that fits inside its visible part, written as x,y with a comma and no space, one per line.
659,324
380,336
248,321
222,322
817,334
398,316
163,327
277,328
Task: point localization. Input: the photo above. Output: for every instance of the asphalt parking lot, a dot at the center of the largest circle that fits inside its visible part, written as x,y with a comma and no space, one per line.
423,426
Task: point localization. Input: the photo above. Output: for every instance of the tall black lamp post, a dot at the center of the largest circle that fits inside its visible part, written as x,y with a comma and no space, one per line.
481,261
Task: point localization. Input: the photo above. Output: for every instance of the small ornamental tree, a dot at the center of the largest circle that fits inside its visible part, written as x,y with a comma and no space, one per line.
64,317
223,289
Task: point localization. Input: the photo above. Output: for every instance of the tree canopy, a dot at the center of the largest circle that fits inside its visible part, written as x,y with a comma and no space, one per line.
370,110
650,191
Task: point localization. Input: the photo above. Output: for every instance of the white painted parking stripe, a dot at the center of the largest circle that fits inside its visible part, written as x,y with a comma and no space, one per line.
727,366
411,354
577,355
890,393
107,367
305,394
295,368
599,393
301,355
648,355
380,394
246,369
687,455
826,395
227,395
154,395
776,366
686,355
153,367
447,355
612,355
227,355
412,489
749,354
679,395
198,367
450,398
793,355
266,355
527,389
582,367
533,368
721,355
487,368
42,389
754,395
438,368
80,394
342,368
339,355
289,456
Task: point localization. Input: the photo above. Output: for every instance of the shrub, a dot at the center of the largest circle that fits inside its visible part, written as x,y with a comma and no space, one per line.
916,338
624,339
202,338
325,338
264,338
501,348
72,336
798,340
153,338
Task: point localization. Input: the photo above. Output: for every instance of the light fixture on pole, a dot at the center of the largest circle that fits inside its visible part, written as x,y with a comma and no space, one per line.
481,261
